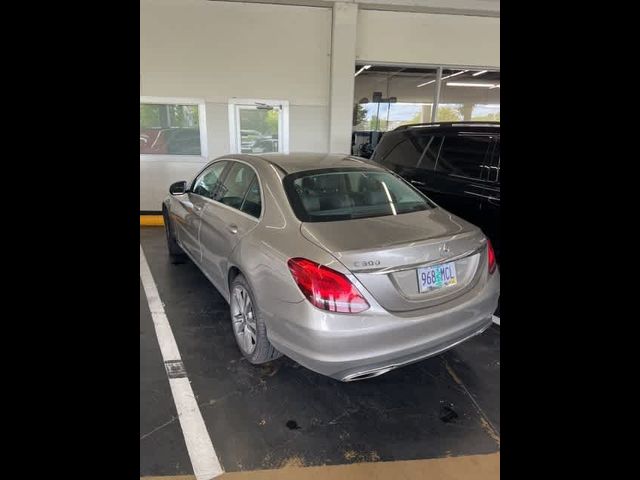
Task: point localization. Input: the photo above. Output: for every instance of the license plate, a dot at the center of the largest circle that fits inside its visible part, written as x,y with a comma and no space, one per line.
438,276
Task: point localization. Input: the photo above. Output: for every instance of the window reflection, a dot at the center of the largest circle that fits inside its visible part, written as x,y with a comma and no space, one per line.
167,129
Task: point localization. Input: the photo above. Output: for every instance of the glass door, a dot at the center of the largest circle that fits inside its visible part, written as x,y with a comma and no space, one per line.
258,126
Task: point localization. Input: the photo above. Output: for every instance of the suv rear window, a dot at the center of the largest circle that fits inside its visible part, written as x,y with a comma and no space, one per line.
408,149
329,195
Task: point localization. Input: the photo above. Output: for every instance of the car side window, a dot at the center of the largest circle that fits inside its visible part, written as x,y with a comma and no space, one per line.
209,181
465,156
252,204
236,185
396,151
429,155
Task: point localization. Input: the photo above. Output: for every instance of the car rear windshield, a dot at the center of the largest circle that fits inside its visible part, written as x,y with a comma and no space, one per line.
329,195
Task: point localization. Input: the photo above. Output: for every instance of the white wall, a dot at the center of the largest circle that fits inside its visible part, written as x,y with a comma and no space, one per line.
423,38
218,50
214,51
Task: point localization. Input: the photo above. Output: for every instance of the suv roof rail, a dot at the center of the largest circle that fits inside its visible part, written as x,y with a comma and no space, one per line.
447,124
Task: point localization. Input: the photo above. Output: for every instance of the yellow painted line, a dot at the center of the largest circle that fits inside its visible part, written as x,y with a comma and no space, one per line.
151,220
171,477
470,467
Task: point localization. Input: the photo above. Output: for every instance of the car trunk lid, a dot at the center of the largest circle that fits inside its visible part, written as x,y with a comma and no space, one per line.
384,253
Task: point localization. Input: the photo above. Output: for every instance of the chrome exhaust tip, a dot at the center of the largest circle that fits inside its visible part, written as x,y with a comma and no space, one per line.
353,377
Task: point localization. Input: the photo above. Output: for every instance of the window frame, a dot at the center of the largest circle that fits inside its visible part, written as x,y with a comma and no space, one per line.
202,126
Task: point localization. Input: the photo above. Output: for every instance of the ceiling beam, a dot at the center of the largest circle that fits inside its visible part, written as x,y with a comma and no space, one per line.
476,8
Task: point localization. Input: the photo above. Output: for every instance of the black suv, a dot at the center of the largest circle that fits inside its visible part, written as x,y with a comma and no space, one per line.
457,164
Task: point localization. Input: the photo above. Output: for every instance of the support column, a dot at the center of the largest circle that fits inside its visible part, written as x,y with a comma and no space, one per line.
425,116
343,62
467,111
436,95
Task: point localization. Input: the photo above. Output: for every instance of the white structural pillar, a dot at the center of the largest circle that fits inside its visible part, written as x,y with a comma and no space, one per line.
343,62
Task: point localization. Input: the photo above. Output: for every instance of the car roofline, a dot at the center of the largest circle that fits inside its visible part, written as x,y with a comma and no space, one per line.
274,164
362,160
448,124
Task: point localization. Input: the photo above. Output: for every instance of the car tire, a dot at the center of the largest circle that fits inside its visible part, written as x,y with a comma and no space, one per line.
175,251
261,350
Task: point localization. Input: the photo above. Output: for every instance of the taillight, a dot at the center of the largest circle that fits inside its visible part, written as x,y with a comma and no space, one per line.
325,288
491,255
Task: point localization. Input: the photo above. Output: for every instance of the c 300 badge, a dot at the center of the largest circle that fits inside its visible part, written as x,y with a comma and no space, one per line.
369,263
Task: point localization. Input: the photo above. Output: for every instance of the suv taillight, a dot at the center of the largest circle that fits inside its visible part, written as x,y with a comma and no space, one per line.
325,288
491,255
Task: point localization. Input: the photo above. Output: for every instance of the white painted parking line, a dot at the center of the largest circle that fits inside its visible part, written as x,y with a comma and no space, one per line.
496,320
203,457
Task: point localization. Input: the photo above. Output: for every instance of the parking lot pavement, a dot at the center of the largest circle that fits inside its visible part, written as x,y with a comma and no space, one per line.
281,414
162,448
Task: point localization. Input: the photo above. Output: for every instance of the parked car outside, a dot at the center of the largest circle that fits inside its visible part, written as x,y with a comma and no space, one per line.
170,141
248,138
265,145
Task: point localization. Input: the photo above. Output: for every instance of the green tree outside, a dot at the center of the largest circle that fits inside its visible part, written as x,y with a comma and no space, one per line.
165,116
263,121
149,116
378,124
490,117
417,118
359,114
449,113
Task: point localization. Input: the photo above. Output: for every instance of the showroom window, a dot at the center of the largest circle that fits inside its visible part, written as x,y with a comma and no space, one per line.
387,97
172,127
469,95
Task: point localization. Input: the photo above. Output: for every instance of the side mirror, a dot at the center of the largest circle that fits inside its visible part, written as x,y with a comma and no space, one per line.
178,188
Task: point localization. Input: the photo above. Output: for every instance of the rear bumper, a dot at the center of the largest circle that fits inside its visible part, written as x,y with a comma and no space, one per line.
384,366
350,347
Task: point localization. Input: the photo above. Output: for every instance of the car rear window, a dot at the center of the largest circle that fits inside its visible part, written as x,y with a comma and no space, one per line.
329,195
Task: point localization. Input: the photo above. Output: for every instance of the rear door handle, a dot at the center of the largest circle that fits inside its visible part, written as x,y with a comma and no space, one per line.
418,182
233,228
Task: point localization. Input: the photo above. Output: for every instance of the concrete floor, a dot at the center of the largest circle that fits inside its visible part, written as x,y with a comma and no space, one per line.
282,414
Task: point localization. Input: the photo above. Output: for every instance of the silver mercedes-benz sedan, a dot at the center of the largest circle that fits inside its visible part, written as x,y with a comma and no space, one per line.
333,261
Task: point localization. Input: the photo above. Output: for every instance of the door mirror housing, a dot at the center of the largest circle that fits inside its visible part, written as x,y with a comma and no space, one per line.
178,188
